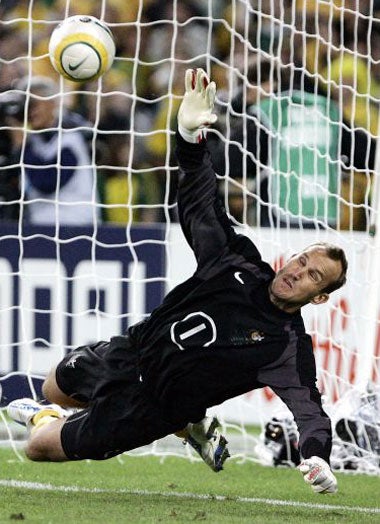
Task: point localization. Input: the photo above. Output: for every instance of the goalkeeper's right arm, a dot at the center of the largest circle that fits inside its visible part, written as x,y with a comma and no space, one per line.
203,219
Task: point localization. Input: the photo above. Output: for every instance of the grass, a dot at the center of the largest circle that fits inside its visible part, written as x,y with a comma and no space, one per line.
151,490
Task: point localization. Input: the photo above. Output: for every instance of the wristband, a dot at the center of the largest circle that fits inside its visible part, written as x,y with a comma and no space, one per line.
193,137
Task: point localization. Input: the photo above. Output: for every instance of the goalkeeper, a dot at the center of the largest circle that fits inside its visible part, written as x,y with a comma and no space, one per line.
234,326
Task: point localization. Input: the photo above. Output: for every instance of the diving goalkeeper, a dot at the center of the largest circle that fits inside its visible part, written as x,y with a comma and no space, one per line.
234,326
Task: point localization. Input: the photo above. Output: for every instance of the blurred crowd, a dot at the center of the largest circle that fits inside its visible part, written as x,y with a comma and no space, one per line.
64,146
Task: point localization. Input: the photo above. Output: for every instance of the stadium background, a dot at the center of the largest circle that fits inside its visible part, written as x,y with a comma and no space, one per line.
64,286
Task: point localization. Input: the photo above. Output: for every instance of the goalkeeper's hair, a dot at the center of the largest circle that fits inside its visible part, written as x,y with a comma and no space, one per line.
335,253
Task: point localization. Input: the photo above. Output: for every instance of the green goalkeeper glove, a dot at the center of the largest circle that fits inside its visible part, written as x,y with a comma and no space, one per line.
195,112
318,474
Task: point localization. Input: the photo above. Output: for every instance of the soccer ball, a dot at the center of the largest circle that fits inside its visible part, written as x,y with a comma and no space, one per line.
81,48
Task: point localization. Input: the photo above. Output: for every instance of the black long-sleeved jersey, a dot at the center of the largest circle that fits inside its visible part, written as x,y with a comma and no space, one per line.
218,335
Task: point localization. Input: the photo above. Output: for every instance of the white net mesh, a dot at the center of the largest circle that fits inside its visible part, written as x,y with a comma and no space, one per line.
89,234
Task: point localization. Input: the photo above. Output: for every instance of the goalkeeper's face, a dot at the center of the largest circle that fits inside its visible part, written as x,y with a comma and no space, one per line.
303,278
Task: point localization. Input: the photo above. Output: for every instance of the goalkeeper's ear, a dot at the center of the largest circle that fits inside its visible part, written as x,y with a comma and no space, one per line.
322,298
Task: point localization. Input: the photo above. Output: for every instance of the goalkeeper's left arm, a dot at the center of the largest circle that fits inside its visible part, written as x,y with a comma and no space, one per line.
300,393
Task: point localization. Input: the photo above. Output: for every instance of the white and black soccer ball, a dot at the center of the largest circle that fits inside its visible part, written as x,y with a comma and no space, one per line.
81,48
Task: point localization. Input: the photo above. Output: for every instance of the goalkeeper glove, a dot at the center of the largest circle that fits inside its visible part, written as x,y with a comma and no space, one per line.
318,474
195,112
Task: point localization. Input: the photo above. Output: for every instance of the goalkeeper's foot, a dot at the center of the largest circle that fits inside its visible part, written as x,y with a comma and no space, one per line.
208,442
23,411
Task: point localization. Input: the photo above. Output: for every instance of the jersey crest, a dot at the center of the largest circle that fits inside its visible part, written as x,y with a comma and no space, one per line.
257,336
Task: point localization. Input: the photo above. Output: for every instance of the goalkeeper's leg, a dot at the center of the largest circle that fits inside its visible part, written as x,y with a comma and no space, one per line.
53,393
44,423
44,442
73,382
70,385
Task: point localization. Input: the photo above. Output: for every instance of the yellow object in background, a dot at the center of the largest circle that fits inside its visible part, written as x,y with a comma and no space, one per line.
117,190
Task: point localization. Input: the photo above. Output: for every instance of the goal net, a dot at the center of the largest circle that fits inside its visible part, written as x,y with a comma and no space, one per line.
89,233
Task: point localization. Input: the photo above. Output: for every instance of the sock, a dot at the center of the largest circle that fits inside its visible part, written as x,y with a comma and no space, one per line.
43,417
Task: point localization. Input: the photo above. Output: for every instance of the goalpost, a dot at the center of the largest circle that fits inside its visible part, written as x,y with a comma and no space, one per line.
295,152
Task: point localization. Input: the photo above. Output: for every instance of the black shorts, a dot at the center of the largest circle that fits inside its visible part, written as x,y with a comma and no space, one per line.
121,415
79,373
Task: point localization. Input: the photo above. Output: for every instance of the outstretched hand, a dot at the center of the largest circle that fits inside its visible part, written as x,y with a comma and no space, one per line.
196,110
